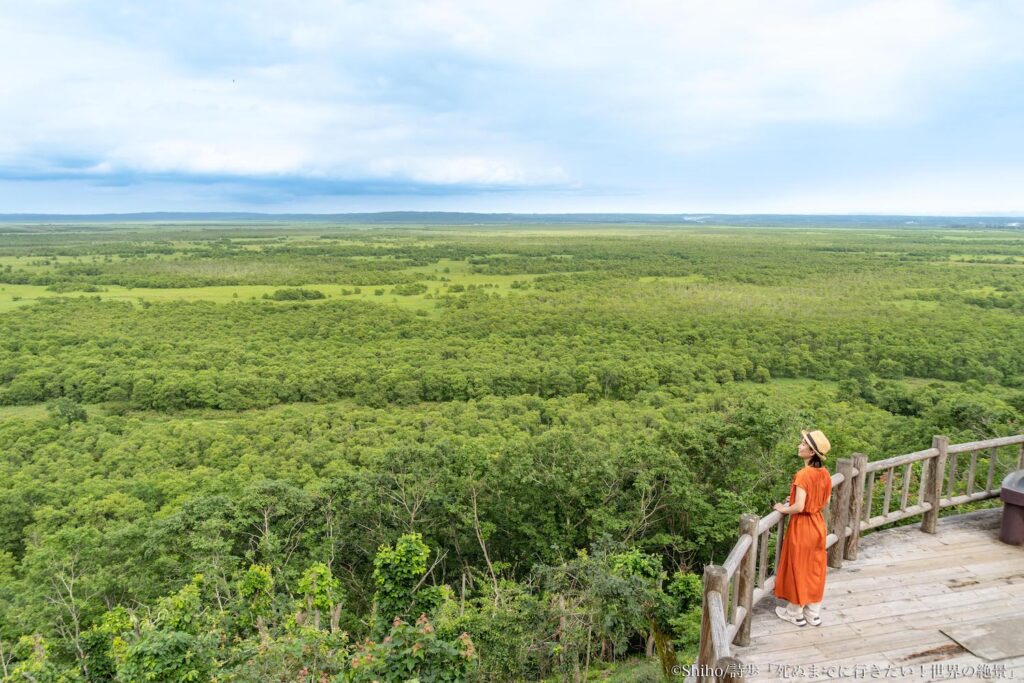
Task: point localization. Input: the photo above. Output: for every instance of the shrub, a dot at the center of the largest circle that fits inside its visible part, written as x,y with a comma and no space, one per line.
409,289
66,411
295,294
412,653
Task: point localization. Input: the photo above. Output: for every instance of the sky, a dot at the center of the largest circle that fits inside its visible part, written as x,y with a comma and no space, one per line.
662,106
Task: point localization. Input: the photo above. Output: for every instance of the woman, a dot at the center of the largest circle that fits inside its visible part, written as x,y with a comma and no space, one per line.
800,576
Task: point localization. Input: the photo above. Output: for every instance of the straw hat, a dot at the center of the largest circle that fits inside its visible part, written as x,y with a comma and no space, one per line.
817,441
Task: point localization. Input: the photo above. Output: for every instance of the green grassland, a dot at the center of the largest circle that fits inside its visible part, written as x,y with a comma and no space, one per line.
438,277
571,418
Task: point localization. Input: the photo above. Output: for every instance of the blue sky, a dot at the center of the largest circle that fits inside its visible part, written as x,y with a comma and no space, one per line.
871,106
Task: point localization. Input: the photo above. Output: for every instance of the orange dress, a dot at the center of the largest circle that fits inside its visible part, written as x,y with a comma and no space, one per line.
803,563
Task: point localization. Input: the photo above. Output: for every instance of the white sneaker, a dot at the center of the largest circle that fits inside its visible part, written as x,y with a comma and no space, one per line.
812,612
783,614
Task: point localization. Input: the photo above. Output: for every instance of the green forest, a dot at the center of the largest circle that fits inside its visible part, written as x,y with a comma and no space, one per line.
315,453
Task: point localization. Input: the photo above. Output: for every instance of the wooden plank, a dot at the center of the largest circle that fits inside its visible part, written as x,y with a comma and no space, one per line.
979,555
993,545
965,598
734,600
933,484
899,582
870,627
953,530
762,564
768,521
888,491
1011,569
883,593
714,584
867,498
996,560
802,637
732,561
930,648
988,443
907,585
989,534
890,608
967,498
719,636
952,476
906,486
897,515
970,472
916,563
938,617
745,579
882,643
904,542
838,515
920,608
1014,590
993,458
1008,582
924,478
855,514
898,460
781,534
955,534
982,518
807,653
907,535
741,614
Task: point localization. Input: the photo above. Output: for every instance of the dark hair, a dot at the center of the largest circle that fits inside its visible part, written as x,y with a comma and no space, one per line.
815,461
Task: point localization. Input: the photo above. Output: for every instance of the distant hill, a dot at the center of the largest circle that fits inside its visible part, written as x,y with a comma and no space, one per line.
459,218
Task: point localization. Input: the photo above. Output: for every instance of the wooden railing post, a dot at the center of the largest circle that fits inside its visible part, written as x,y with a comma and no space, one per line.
745,580
860,461
933,483
840,512
1020,458
714,580
731,669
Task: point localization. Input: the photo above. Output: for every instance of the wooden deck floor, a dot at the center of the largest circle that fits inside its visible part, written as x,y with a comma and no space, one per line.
885,609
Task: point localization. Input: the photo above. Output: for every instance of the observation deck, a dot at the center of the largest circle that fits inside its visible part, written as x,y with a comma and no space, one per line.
886,612
939,600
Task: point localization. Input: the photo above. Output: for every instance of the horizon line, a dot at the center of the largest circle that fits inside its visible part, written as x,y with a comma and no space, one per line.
687,216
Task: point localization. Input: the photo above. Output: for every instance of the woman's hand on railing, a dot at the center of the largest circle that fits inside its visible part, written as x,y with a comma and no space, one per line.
784,508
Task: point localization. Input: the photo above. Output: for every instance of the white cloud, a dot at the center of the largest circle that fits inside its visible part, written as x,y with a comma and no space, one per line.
459,170
532,93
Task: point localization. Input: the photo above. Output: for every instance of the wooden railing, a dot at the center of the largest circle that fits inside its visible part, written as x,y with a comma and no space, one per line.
865,496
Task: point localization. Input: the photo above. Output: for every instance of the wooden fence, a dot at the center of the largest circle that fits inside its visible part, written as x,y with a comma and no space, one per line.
865,495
